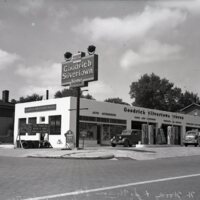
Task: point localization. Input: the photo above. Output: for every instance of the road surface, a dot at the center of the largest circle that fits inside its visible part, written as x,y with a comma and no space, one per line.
37,179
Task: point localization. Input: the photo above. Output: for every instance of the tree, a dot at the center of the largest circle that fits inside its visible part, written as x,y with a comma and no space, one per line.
87,96
188,98
152,92
66,93
71,93
115,100
13,101
33,97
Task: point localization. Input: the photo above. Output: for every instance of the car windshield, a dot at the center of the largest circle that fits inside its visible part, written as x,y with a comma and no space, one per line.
192,133
126,132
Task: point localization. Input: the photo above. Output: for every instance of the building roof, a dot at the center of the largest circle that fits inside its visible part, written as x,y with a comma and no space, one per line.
7,104
189,106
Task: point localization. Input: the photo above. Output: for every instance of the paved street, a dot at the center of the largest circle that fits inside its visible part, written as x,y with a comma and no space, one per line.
35,178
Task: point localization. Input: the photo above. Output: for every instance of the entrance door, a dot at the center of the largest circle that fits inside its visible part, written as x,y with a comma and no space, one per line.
98,134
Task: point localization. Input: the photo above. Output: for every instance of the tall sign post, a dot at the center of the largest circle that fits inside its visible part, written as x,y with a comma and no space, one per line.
77,71
77,116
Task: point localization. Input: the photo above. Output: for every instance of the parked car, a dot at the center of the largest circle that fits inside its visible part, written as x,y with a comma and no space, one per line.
191,138
127,138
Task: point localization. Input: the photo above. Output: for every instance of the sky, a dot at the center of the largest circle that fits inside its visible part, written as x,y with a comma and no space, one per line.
132,37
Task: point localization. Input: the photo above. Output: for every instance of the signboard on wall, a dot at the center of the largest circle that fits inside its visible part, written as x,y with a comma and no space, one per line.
40,108
40,128
77,73
25,128
34,128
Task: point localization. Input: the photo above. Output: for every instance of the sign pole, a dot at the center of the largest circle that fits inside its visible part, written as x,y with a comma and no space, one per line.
77,115
77,71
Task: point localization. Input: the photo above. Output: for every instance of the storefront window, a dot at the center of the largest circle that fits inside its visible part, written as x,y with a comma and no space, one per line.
32,120
42,119
90,129
116,130
55,124
22,122
109,131
106,133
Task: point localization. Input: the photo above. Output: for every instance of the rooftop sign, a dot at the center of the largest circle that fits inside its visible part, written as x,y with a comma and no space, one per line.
79,71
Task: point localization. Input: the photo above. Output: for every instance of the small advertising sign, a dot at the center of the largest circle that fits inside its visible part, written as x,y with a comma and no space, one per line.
25,128
40,108
40,128
32,129
76,73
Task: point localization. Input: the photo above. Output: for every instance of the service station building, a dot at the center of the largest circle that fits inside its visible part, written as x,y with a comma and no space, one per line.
100,121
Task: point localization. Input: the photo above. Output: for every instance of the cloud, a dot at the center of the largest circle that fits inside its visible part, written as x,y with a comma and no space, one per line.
41,90
31,6
7,59
150,52
1,25
58,15
131,26
40,77
47,75
192,6
99,90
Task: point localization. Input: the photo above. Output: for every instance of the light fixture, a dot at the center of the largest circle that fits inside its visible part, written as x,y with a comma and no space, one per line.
91,49
68,56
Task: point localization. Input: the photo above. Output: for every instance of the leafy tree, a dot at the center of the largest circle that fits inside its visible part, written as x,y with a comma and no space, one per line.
33,97
188,98
66,93
71,93
13,101
152,92
115,100
87,96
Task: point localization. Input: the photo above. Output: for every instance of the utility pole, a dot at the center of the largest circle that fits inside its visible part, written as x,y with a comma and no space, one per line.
78,90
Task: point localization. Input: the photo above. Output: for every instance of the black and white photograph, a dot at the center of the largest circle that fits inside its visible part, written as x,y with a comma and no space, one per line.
99,100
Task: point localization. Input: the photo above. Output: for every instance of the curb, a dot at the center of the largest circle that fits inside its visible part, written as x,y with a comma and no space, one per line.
110,156
89,157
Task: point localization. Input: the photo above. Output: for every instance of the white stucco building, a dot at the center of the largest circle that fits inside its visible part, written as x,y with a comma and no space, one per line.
100,121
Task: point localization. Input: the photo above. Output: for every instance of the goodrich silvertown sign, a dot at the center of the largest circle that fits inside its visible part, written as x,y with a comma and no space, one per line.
78,72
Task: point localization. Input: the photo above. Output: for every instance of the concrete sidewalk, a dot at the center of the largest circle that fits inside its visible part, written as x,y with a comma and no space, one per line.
144,153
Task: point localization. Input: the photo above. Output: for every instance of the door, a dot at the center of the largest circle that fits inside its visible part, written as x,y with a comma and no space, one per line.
98,134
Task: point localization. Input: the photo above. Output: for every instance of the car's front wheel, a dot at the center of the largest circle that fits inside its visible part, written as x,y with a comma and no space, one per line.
126,143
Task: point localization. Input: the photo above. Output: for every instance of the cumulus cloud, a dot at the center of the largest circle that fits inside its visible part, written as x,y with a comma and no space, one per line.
47,76
99,90
31,6
6,59
58,16
1,24
40,77
45,73
151,51
132,26
41,90
192,6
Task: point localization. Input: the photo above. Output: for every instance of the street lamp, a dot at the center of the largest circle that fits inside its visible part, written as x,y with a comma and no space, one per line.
91,49
68,56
